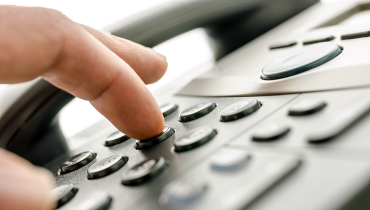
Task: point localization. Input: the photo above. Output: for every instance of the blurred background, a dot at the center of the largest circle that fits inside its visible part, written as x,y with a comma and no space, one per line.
180,53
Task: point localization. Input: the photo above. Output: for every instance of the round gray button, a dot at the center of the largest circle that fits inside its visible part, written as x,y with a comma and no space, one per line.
194,138
77,162
301,60
196,111
306,106
99,200
239,109
168,109
147,143
106,166
63,194
143,171
229,160
115,138
270,132
182,192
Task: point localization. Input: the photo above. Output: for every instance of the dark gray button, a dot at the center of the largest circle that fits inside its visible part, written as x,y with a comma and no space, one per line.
239,109
229,160
196,111
168,109
143,171
96,201
282,45
147,143
116,138
106,166
63,194
306,106
77,162
270,132
194,138
301,60
182,192
318,40
355,35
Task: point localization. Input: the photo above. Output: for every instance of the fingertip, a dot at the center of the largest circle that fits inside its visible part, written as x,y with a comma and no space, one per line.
158,68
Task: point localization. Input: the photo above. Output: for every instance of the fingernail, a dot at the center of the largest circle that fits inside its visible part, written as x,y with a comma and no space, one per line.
162,56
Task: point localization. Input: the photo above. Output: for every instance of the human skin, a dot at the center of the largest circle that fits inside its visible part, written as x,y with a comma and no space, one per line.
108,71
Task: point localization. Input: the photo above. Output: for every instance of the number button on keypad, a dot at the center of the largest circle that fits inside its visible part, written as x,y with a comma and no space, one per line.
147,143
106,166
168,109
143,171
229,160
270,132
96,201
239,109
307,106
77,162
115,138
194,138
63,194
196,111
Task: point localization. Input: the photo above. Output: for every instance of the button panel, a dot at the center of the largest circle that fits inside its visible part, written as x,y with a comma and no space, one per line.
239,110
77,161
63,194
143,171
194,138
147,143
196,111
106,166
116,138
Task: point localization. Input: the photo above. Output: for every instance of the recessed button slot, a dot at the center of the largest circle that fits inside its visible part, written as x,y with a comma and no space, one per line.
306,107
168,109
269,132
318,40
194,138
143,171
98,200
182,192
106,166
147,143
282,45
239,110
196,111
77,161
63,194
115,138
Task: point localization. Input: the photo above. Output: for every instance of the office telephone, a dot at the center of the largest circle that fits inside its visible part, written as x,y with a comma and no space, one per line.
280,122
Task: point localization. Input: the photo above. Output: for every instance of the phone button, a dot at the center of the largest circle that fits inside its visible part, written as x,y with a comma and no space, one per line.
306,107
77,161
283,45
194,138
147,143
63,194
229,160
270,132
168,109
97,200
143,171
196,111
106,166
301,60
116,138
182,192
317,40
239,109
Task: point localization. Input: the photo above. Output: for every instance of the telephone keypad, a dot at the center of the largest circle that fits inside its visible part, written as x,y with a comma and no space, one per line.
197,111
143,171
63,194
239,109
116,138
194,138
147,143
106,166
77,161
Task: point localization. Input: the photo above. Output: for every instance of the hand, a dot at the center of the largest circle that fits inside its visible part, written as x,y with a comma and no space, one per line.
108,71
